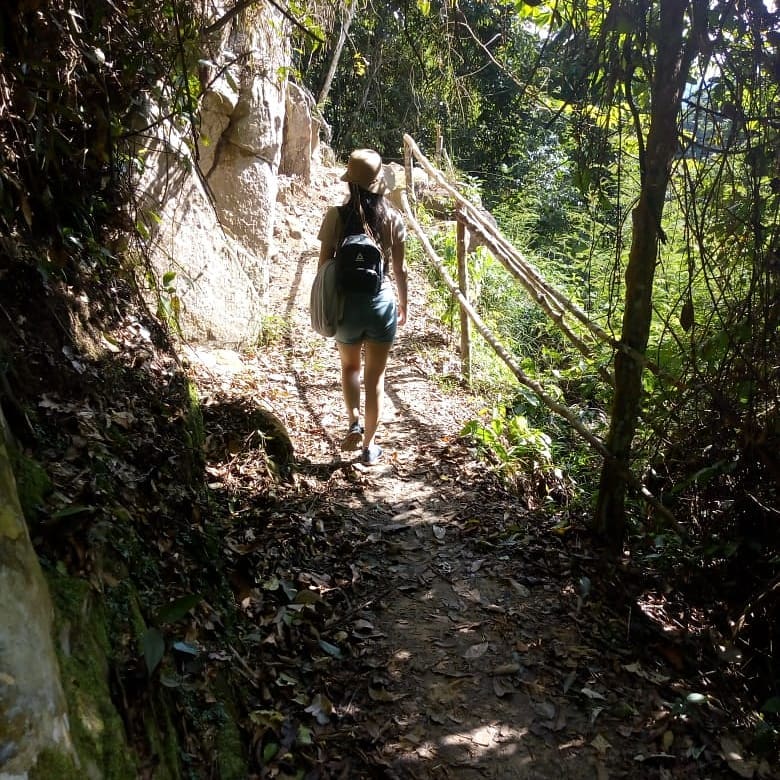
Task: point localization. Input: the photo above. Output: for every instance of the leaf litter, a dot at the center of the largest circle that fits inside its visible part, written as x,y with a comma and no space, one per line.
412,620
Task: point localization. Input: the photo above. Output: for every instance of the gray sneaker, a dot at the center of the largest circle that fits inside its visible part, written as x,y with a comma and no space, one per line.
371,455
354,437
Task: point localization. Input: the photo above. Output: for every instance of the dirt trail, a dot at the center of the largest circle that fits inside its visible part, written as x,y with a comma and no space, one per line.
481,655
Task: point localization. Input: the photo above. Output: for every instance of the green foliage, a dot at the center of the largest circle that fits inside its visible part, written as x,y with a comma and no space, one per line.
311,34
479,265
512,440
32,482
168,301
274,329
55,763
409,69
107,61
520,453
95,724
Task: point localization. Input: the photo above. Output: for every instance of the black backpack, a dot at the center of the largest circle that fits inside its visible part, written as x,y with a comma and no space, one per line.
359,264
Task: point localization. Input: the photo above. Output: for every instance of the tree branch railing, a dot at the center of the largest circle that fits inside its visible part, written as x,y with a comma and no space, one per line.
553,302
538,284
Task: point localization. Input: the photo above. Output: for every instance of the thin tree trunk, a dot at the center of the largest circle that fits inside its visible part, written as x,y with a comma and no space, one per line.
346,21
674,58
512,365
346,130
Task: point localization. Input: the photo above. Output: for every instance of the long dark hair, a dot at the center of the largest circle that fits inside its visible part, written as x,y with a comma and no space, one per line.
372,210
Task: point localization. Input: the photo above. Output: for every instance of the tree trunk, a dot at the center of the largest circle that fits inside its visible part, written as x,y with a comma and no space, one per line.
33,717
674,57
345,131
346,21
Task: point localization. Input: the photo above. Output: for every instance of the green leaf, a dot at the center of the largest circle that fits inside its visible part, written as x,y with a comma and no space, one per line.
771,705
153,645
330,649
304,736
269,751
178,608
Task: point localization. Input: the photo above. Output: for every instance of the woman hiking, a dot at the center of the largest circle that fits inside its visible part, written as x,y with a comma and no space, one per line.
369,321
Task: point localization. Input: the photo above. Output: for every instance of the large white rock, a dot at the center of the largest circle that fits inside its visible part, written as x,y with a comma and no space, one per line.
210,211
241,162
33,717
217,297
301,145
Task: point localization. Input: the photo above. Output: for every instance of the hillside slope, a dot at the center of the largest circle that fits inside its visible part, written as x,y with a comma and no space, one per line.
273,609
468,640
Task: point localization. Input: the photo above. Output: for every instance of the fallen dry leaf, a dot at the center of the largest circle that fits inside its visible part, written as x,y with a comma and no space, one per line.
733,753
476,651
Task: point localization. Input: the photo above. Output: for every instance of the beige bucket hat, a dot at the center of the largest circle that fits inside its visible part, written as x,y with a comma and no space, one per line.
364,168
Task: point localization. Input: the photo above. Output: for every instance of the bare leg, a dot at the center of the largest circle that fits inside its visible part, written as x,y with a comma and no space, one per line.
350,379
374,381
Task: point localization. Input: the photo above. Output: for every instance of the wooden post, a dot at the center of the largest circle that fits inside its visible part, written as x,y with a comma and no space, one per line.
463,283
439,146
409,174
524,379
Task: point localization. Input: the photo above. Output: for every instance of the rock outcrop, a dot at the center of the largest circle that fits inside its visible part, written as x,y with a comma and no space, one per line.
33,714
210,210
302,127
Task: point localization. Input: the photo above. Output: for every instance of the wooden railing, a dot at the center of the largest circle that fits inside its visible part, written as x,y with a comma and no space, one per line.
556,305
549,299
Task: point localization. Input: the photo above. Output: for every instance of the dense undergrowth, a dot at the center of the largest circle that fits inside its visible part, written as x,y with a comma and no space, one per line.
197,604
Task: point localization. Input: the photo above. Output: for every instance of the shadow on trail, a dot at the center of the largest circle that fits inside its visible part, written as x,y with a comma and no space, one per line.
441,686
430,682
415,396
441,629
410,418
303,261
413,619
